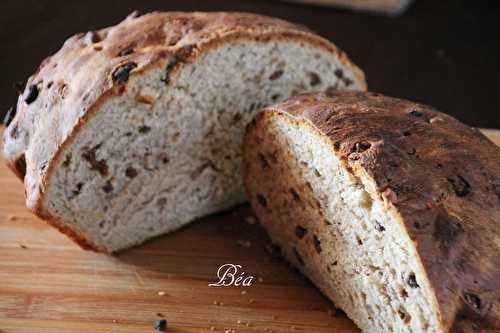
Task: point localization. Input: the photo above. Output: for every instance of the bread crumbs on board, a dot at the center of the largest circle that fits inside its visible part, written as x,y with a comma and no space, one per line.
243,243
250,220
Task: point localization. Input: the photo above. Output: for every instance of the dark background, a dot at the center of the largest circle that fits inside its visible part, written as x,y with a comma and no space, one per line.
440,52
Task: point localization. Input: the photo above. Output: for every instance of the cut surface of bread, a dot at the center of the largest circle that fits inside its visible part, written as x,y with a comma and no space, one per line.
391,208
135,130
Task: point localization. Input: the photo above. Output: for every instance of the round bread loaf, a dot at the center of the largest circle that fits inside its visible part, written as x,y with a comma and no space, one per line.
391,208
133,131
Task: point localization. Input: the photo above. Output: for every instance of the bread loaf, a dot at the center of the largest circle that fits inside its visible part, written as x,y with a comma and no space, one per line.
133,131
391,208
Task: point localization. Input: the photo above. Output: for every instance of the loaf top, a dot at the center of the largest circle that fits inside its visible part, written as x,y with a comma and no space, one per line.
439,176
95,66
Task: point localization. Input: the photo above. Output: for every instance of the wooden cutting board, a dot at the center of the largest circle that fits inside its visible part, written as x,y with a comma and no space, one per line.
48,284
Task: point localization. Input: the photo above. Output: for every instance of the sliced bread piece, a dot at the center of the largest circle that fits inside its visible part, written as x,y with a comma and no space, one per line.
133,131
391,208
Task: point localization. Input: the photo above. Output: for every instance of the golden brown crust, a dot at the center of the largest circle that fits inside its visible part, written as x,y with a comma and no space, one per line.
90,68
443,179
74,235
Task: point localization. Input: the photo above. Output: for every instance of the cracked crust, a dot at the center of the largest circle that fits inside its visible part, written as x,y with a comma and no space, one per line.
440,177
92,67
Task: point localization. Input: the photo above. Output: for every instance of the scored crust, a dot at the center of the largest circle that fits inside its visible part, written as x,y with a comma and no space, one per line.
69,86
440,178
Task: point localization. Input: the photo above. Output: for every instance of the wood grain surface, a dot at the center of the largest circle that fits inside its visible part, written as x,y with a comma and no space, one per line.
48,284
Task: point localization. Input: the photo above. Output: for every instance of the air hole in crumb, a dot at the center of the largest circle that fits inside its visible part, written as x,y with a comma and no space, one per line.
411,280
300,231
67,160
347,81
261,200
78,189
406,133
358,239
317,244
316,172
335,263
275,97
314,79
144,129
108,187
379,227
161,202
164,158
130,172
276,75
236,119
